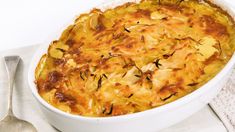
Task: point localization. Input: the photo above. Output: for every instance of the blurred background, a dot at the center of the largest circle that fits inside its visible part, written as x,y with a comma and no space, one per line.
29,22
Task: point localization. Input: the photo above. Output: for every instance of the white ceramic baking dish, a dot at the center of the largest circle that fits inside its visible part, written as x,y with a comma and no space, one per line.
146,121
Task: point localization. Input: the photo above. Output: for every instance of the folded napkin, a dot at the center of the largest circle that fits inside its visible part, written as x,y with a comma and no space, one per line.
224,104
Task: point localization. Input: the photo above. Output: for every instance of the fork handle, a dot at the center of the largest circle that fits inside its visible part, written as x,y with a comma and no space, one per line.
11,63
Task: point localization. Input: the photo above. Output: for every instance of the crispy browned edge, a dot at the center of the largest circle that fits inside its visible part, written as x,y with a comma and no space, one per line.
221,10
210,2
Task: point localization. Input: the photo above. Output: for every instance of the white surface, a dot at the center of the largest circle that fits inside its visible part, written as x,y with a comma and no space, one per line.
28,22
26,107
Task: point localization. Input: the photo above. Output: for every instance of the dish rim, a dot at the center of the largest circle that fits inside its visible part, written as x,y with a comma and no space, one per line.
177,103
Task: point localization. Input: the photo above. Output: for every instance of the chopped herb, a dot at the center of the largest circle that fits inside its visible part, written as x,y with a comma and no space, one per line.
81,76
192,84
105,76
200,53
148,78
220,48
68,83
104,109
157,63
139,69
127,30
111,110
94,77
168,96
130,95
99,82
124,74
113,55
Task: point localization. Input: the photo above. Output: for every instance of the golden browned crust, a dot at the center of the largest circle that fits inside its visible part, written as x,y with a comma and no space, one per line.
135,57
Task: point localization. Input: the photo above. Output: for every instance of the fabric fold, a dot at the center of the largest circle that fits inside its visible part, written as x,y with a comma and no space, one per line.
224,104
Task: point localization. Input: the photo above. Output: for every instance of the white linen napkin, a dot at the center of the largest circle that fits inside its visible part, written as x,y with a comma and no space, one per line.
224,104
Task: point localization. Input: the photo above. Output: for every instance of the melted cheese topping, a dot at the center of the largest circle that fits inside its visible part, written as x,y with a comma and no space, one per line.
135,57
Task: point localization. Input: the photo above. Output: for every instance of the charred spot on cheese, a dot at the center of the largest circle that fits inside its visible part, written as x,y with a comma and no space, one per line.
212,27
142,13
135,57
65,98
166,56
54,76
70,42
44,86
59,61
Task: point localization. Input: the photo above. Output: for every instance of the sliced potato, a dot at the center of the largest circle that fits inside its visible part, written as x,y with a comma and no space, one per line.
156,15
57,49
206,49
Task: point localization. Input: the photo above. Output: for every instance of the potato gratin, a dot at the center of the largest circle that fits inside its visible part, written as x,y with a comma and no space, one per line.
135,57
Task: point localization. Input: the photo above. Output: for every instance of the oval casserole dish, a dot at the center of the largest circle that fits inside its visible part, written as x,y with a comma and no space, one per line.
142,121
